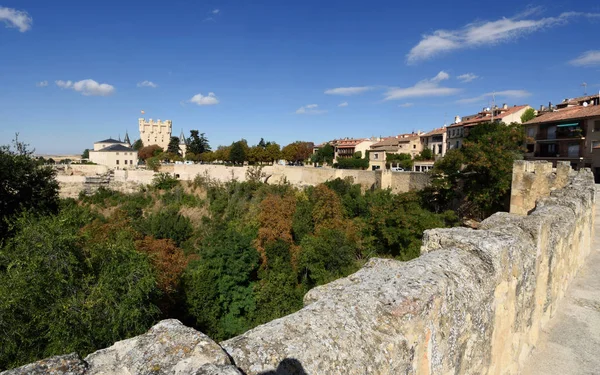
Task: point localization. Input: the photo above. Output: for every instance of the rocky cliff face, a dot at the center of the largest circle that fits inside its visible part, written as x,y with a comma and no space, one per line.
473,303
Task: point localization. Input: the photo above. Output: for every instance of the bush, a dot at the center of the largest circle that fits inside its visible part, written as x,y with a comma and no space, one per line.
352,163
164,181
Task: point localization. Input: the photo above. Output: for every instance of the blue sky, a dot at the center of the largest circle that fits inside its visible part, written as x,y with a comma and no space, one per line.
74,72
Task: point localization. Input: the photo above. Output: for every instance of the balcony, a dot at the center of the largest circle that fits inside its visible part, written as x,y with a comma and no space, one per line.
565,131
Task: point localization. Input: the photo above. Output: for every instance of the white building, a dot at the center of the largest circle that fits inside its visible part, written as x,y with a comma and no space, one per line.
114,154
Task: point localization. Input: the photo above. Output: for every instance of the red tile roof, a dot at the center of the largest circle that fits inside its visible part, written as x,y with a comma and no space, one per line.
437,131
487,116
569,113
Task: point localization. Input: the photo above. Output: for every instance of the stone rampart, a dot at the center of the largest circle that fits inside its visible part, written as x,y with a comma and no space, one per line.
534,179
473,303
131,180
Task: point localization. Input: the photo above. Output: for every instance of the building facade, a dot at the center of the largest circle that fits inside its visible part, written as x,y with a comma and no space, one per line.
114,154
570,133
400,144
458,131
436,141
155,132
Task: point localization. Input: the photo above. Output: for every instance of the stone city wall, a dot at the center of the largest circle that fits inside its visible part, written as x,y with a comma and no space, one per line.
474,302
130,180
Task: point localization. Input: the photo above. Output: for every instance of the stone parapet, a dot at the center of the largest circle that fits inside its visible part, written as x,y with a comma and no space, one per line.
473,303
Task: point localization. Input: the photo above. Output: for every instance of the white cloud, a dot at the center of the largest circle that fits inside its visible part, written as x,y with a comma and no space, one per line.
513,94
347,91
486,33
215,11
16,19
467,77
42,84
87,87
210,99
406,105
310,109
344,104
427,87
588,58
147,84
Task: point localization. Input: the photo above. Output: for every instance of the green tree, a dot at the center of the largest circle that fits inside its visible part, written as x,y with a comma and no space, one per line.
425,154
198,143
529,114
24,185
476,179
325,154
149,151
60,293
272,152
403,160
85,154
173,147
219,288
238,153
138,144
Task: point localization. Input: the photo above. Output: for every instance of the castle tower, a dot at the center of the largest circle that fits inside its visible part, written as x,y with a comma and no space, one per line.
126,139
155,132
183,143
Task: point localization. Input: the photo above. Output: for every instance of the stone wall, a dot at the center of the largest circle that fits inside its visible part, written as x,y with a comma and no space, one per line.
534,179
130,180
473,303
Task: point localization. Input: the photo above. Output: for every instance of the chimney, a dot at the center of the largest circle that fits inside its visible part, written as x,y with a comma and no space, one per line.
504,106
457,119
542,108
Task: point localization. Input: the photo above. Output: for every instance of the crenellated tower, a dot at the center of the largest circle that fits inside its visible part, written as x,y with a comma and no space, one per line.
155,132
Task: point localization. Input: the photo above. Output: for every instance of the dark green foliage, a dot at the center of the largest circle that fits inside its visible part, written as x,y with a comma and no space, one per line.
167,223
24,185
529,114
198,143
59,293
325,154
326,257
237,155
351,163
425,154
164,181
219,286
402,160
476,179
138,145
86,154
173,147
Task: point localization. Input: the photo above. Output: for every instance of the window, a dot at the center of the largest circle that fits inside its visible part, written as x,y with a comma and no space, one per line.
573,150
531,132
439,149
552,132
117,162
595,144
125,161
552,148
131,162
597,125
457,144
414,146
376,156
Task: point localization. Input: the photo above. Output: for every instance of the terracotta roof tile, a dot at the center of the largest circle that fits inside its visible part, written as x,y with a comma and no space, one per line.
435,132
569,113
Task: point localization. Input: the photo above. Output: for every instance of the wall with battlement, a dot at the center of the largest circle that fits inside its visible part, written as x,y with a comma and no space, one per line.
534,179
